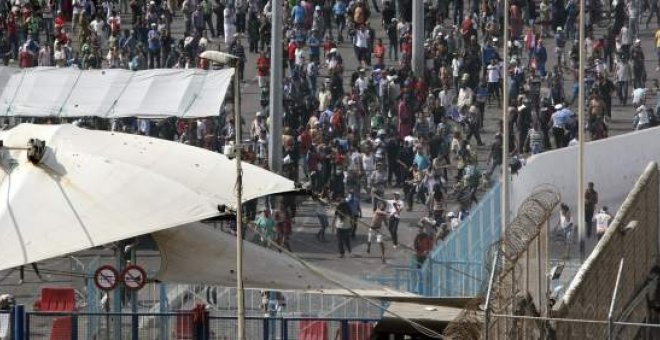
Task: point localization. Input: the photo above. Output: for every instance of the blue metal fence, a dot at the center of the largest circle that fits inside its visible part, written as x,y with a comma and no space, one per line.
180,325
455,267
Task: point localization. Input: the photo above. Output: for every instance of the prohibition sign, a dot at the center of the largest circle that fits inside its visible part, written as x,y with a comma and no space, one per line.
134,277
106,278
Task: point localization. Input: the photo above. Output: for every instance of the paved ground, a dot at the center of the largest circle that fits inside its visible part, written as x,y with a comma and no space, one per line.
303,240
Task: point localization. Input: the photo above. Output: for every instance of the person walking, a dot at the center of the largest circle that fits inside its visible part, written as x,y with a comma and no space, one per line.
379,217
341,222
423,245
590,201
602,220
356,211
394,207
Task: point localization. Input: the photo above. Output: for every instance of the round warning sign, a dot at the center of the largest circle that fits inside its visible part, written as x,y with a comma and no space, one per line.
106,278
134,277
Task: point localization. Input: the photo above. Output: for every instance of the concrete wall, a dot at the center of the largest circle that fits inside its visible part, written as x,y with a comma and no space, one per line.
613,164
590,293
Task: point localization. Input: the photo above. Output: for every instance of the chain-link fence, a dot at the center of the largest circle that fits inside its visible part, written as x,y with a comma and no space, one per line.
455,267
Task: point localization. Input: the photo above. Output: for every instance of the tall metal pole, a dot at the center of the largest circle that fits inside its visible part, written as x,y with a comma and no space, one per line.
239,206
418,38
615,294
580,161
275,101
505,125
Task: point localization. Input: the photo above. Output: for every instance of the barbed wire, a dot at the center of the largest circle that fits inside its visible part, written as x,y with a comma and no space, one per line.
533,212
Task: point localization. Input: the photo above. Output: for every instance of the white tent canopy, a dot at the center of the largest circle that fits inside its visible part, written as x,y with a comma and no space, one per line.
196,254
95,187
113,93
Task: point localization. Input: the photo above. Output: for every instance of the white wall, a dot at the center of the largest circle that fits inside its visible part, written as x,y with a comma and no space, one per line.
613,164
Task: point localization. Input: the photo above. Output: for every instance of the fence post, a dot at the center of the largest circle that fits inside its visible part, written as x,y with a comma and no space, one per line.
19,322
162,308
266,326
74,326
135,326
344,330
26,336
285,329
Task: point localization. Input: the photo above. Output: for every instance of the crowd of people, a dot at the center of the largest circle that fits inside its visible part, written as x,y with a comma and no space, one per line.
355,134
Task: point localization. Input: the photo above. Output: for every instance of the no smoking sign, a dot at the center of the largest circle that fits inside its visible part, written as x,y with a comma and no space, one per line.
106,278
134,277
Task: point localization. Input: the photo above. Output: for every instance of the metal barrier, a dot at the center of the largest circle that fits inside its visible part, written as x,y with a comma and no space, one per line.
456,266
182,325
6,324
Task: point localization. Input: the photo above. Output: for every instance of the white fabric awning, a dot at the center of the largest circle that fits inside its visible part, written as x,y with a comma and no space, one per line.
95,187
112,93
196,254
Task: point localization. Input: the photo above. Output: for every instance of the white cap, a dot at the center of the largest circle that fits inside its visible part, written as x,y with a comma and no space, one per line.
260,114
333,50
559,107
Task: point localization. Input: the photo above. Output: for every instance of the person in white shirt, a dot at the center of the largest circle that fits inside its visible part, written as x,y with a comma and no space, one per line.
446,97
299,61
602,220
361,83
362,44
626,41
394,207
642,120
456,65
465,93
494,75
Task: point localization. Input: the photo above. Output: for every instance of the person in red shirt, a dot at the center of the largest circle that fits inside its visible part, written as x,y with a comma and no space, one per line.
379,54
291,53
59,22
25,58
12,33
328,45
263,70
423,245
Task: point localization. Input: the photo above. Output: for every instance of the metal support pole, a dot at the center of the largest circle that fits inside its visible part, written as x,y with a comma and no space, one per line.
418,38
491,281
19,322
163,306
117,295
580,161
610,315
239,206
74,327
275,93
27,326
344,330
505,126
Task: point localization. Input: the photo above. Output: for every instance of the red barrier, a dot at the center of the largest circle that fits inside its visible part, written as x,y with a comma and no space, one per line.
183,329
57,300
60,329
313,330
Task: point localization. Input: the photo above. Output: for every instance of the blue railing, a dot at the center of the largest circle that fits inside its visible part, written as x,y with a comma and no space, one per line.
455,267
181,325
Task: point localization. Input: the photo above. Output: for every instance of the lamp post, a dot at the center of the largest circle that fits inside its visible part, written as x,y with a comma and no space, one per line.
225,58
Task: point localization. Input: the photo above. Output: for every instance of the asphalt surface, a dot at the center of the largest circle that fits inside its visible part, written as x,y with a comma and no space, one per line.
303,241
